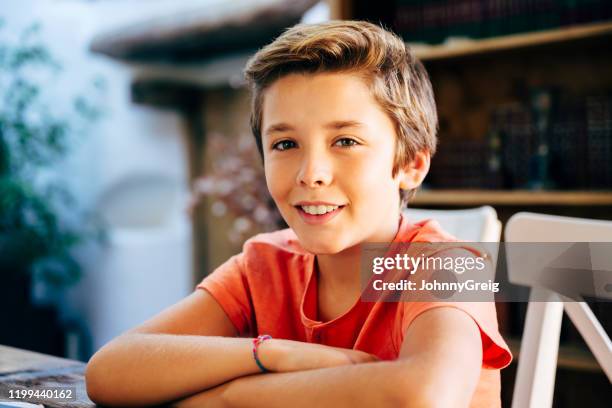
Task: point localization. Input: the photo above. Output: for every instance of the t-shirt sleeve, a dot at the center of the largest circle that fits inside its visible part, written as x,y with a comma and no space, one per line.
229,287
495,352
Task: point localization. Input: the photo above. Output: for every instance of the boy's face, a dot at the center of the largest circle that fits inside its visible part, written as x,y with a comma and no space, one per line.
329,147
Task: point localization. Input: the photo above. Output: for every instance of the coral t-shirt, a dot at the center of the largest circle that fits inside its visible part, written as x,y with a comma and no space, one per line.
271,288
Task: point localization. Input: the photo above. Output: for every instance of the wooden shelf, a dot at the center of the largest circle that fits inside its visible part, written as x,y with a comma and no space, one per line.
571,357
512,197
460,48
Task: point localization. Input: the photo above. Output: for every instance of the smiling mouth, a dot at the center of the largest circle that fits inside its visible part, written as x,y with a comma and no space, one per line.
318,209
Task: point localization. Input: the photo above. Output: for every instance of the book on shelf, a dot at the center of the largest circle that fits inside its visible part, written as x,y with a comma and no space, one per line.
518,143
568,144
459,164
577,138
599,145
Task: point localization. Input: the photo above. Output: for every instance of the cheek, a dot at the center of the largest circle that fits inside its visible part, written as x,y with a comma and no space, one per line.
277,180
371,186
373,171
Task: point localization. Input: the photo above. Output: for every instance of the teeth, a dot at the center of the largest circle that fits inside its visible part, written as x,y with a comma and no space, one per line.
318,209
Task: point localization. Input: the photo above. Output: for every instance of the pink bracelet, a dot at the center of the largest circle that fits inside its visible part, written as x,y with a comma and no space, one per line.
256,342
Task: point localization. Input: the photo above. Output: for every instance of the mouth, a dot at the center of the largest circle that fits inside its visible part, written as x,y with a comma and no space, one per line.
318,214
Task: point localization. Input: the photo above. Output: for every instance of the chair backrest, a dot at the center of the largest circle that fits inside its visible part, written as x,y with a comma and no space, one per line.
474,224
532,227
535,379
563,233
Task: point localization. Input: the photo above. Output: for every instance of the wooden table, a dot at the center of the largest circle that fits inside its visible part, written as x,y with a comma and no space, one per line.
27,370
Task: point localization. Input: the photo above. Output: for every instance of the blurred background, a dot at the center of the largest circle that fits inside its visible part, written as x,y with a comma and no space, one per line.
128,171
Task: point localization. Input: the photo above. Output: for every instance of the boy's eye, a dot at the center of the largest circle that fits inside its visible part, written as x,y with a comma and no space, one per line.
346,142
283,145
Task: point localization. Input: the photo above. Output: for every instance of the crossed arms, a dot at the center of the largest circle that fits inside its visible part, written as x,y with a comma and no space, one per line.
176,357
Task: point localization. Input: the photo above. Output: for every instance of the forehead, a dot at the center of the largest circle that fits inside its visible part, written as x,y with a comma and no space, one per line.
315,99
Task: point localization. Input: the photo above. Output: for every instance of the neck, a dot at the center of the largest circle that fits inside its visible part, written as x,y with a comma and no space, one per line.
341,271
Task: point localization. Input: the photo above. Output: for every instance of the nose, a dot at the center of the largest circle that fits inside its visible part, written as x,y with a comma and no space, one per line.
315,170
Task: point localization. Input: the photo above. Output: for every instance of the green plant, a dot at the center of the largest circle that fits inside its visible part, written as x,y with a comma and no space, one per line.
38,224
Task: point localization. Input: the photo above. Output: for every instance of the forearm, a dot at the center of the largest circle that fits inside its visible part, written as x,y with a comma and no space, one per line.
144,369
384,384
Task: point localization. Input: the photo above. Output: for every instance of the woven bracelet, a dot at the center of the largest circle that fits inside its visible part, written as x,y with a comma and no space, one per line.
256,342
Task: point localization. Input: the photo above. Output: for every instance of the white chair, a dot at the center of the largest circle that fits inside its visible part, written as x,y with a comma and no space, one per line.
474,224
537,363
478,224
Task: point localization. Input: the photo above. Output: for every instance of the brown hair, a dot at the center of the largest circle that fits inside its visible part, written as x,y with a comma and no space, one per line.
395,76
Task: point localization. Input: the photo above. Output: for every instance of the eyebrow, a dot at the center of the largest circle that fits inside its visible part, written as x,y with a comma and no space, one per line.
335,125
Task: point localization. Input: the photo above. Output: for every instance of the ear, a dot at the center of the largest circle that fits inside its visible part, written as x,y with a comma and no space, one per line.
413,174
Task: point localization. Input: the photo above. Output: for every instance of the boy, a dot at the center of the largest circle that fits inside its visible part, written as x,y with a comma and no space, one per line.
345,120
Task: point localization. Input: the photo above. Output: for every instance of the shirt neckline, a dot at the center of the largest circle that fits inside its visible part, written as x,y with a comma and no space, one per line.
309,306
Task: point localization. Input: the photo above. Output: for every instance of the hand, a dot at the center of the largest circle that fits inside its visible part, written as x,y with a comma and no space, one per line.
287,355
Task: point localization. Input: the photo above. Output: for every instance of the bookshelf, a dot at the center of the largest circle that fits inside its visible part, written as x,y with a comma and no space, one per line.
488,86
436,56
